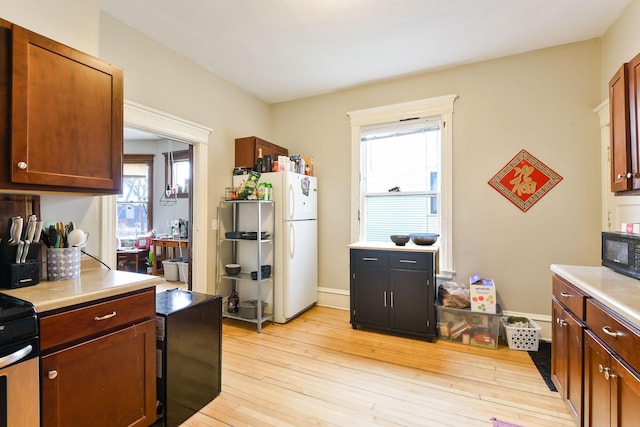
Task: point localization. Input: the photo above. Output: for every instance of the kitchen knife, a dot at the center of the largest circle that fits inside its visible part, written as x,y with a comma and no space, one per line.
19,251
31,229
25,251
38,233
12,230
18,230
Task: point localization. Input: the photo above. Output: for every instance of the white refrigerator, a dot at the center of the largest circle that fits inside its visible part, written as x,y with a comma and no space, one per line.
295,265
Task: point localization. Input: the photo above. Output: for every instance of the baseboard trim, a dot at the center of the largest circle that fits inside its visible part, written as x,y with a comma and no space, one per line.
339,299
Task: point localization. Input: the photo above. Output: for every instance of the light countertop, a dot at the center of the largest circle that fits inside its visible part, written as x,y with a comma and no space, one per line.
390,246
616,291
91,285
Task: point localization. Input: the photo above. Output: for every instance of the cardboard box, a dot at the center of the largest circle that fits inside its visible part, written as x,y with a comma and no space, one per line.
630,228
463,326
482,294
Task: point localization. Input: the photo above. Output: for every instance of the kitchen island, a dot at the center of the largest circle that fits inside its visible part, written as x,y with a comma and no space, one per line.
97,339
393,288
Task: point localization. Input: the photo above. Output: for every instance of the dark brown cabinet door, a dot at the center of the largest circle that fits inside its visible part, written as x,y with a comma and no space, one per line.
566,357
66,118
620,131
597,398
612,388
108,381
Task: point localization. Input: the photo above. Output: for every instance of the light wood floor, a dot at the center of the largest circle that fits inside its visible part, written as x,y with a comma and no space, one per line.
317,371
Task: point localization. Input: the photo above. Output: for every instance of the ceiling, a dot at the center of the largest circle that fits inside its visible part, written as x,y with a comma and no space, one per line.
280,50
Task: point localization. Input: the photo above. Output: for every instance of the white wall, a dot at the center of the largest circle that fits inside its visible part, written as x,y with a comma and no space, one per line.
540,101
164,80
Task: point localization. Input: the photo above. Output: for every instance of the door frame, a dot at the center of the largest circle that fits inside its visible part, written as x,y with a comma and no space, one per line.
147,119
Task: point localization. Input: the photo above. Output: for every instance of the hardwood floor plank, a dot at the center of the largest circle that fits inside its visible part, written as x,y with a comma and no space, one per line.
317,371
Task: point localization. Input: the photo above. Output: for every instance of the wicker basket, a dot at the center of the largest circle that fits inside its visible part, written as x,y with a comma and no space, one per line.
522,338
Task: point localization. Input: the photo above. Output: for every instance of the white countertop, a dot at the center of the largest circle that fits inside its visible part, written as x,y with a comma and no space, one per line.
91,285
616,291
390,246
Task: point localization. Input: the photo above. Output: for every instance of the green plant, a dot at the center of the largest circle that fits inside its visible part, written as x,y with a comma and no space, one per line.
150,258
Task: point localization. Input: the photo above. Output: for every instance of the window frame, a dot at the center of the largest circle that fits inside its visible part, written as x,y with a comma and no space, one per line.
149,160
178,156
441,107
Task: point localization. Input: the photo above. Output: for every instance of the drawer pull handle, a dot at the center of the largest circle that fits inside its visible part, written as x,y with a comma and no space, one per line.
607,330
105,317
408,261
369,259
52,374
565,295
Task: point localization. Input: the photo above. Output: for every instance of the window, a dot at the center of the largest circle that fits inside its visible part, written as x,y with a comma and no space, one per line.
401,172
178,171
400,164
135,204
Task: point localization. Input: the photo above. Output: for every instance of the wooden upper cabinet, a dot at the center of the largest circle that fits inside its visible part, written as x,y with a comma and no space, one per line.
66,115
247,150
624,98
620,133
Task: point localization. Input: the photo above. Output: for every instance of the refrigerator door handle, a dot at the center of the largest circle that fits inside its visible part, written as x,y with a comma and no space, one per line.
292,240
292,200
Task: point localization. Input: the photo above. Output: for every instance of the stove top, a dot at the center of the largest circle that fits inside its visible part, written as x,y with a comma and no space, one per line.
18,320
12,308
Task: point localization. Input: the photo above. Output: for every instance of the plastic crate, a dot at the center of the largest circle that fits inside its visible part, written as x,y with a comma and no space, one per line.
469,327
520,338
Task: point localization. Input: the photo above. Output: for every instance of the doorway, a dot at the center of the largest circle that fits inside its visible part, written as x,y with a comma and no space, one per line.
146,119
153,213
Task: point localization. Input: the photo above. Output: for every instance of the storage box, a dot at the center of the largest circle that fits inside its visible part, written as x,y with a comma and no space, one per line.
482,294
520,338
170,268
467,327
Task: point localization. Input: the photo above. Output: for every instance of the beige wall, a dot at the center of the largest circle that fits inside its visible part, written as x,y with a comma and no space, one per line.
540,101
162,79
620,43
72,22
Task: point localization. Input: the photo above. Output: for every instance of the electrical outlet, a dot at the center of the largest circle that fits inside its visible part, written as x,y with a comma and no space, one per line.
214,224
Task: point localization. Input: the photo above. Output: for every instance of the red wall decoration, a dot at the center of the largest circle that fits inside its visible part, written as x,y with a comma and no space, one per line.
525,180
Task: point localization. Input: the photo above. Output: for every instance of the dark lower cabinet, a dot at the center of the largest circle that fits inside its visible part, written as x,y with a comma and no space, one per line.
393,291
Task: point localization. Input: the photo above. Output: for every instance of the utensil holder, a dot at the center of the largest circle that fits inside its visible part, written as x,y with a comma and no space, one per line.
63,263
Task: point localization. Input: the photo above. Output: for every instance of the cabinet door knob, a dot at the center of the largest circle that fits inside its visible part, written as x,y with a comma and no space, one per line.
629,175
22,165
52,374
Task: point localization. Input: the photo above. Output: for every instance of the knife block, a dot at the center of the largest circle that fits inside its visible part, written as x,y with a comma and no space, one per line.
17,275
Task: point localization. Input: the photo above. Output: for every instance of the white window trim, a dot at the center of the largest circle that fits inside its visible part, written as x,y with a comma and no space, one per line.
440,106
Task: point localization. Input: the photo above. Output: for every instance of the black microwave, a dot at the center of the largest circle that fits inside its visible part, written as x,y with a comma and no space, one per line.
621,253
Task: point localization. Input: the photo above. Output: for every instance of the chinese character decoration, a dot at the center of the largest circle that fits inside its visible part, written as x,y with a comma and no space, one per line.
524,180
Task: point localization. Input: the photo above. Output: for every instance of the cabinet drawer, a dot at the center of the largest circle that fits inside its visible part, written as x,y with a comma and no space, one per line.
410,260
570,296
622,338
367,257
89,321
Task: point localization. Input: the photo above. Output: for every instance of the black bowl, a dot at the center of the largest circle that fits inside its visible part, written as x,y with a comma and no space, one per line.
400,239
424,239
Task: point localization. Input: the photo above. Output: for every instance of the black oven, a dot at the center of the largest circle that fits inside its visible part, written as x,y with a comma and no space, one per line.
19,363
621,253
